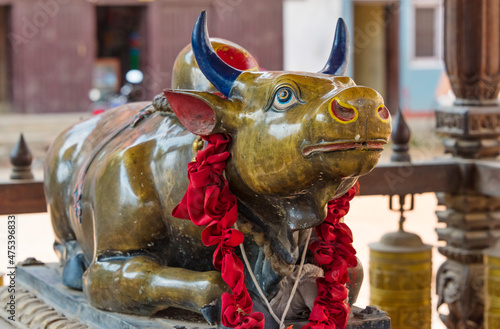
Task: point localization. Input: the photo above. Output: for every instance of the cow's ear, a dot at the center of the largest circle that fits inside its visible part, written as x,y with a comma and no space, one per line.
202,113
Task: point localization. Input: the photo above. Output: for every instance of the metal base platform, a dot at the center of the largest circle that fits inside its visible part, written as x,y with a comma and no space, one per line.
43,302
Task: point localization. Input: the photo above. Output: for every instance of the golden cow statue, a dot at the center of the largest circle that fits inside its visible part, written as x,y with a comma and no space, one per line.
297,141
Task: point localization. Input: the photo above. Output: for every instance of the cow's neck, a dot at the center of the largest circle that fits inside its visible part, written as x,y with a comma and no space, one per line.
277,222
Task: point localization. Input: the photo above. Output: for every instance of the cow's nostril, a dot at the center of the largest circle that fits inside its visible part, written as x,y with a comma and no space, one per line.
343,113
383,113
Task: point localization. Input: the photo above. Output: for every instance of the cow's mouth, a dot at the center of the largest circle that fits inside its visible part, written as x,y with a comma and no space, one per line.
371,145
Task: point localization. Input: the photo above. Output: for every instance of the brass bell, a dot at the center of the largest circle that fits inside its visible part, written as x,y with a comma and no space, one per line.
400,278
492,287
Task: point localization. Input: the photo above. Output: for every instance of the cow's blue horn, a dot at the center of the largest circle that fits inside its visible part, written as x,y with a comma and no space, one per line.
341,51
220,74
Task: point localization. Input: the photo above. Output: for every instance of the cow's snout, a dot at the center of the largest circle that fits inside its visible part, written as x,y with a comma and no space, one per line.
360,111
358,103
354,115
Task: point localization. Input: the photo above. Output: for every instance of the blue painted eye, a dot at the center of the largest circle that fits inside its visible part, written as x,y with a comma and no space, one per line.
284,98
284,95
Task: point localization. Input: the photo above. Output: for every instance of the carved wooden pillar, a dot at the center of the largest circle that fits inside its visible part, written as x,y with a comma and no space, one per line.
472,47
472,58
472,130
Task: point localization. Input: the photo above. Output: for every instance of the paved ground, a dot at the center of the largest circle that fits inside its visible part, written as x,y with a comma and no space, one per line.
369,217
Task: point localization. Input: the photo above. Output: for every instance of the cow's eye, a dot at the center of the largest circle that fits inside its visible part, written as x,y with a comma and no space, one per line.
284,98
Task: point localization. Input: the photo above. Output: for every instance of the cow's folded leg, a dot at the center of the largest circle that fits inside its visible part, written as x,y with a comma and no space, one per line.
141,285
211,313
73,271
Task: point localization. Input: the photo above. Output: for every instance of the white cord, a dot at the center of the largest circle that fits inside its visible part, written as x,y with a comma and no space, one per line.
297,279
254,279
261,293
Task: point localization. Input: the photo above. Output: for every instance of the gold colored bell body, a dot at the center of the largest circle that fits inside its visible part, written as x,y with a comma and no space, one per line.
400,279
492,288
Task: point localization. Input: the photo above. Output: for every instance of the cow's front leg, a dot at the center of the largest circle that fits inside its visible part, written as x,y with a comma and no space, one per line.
141,285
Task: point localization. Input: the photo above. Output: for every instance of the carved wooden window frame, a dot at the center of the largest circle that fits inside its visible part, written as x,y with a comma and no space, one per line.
437,59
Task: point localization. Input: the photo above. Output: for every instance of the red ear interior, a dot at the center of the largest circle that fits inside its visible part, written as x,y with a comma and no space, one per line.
196,115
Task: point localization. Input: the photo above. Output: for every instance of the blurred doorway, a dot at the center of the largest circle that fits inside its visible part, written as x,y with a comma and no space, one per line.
376,48
121,45
5,61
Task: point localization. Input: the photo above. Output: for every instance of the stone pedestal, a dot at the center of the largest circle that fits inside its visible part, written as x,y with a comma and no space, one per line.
42,286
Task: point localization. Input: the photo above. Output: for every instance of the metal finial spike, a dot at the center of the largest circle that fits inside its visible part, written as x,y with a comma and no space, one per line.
401,133
21,154
401,138
21,158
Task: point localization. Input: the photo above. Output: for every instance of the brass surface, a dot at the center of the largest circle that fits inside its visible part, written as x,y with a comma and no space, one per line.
141,258
399,242
400,281
186,73
492,288
197,146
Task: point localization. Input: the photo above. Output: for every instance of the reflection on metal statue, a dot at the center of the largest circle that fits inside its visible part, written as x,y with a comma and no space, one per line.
298,140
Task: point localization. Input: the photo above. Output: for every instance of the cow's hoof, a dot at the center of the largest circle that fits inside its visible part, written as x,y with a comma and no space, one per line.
73,272
211,313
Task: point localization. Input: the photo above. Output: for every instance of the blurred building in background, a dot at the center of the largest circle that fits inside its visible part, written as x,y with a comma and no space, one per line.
53,52
397,45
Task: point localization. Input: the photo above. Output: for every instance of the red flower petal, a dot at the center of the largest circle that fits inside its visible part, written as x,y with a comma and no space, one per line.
230,316
252,321
232,273
319,313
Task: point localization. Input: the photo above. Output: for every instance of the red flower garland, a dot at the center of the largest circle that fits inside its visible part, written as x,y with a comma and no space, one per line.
334,253
209,202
